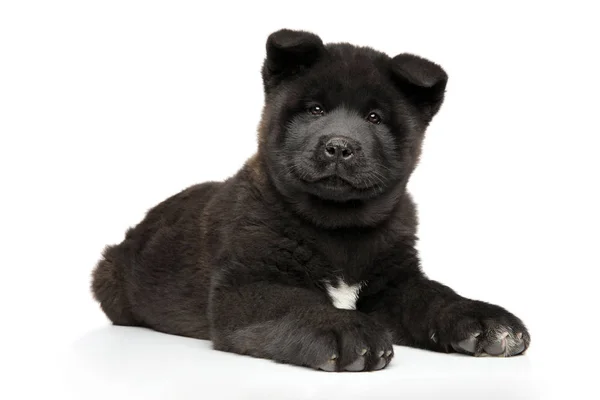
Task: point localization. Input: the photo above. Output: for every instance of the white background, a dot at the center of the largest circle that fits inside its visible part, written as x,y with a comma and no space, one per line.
108,107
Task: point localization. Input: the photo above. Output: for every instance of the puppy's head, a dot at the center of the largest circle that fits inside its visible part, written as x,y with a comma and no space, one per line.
342,125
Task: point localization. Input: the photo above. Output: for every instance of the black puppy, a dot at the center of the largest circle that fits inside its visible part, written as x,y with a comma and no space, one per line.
307,255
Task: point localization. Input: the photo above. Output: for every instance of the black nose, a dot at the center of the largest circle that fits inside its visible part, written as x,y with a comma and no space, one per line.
339,147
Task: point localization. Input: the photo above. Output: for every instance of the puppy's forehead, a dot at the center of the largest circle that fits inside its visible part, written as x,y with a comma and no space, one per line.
354,56
354,74
344,61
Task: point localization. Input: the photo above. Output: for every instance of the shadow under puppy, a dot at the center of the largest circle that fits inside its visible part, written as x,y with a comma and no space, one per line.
307,255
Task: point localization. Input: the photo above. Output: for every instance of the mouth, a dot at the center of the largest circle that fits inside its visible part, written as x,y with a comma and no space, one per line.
334,182
337,188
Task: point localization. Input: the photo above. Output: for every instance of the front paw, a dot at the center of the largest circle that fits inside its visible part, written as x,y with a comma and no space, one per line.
355,343
327,340
480,329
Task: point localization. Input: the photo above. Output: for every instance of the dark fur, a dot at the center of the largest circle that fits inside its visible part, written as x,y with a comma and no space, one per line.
244,262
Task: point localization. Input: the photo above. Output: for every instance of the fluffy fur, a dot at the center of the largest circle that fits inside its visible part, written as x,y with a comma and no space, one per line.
247,263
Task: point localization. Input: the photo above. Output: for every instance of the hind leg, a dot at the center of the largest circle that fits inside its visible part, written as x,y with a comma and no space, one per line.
108,287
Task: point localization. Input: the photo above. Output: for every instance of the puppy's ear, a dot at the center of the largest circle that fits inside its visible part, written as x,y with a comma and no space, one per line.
288,52
422,81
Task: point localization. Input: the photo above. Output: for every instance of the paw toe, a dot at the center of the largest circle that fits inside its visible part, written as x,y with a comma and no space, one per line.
329,365
468,345
518,349
381,363
516,345
496,348
356,365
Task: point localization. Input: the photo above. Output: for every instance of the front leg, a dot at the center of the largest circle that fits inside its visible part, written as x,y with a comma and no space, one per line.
426,314
296,325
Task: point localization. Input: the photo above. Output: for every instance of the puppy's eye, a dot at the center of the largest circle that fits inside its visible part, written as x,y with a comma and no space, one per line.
374,118
316,110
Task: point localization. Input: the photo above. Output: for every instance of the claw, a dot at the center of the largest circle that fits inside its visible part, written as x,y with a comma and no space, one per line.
433,337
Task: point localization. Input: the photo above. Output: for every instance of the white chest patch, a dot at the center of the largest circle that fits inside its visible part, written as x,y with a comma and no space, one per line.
344,296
